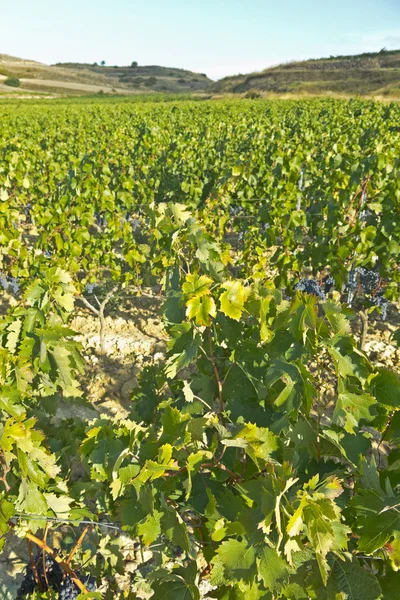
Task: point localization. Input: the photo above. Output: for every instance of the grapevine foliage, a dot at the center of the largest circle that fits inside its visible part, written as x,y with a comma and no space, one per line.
260,460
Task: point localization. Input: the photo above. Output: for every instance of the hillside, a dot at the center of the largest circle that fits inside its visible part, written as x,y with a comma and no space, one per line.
138,78
372,73
75,78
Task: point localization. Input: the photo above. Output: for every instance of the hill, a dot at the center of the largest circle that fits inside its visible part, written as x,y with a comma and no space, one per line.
372,73
76,78
138,78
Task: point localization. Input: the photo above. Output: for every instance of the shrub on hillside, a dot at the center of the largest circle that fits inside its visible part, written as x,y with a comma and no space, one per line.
12,81
150,81
252,94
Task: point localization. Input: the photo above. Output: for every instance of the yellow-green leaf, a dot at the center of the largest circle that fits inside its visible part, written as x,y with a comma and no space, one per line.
196,286
201,308
233,299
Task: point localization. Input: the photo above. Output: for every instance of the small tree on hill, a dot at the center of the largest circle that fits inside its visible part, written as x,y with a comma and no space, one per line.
134,64
103,63
12,81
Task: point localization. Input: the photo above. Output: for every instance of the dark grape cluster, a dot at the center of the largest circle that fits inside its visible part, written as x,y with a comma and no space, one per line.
27,211
90,287
9,283
53,576
101,220
234,211
176,551
351,286
310,286
369,281
70,591
364,214
28,584
135,224
329,284
54,579
380,301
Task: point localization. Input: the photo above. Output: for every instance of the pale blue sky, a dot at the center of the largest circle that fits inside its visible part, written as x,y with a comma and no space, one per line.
218,37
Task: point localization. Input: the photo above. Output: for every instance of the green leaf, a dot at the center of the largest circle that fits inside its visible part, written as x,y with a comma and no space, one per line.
195,286
65,300
272,568
60,505
183,350
201,309
177,589
233,562
150,529
385,386
349,578
31,499
174,528
61,357
344,364
351,408
377,521
14,331
390,585
233,299
336,318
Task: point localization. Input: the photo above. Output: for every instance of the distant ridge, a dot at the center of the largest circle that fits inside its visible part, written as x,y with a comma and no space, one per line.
77,78
372,73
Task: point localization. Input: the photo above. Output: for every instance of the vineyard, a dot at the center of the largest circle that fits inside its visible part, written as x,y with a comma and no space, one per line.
256,454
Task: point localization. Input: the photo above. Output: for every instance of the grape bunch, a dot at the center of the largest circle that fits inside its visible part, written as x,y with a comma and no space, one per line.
70,591
351,286
27,211
369,281
329,284
49,574
234,211
310,286
9,283
364,214
135,224
28,584
89,288
54,572
380,301
101,220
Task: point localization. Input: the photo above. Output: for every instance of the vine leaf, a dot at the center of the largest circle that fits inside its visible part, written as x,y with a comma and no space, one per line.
233,299
272,569
201,308
150,529
195,286
177,589
386,387
351,408
233,562
349,578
